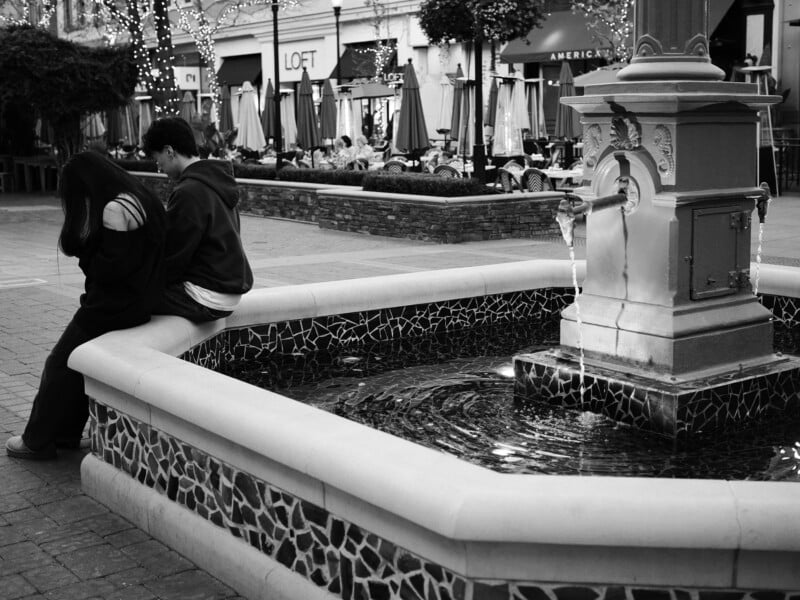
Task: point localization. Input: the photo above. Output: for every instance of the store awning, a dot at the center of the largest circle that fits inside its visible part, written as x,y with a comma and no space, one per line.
372,90
358,63
235,70
564,36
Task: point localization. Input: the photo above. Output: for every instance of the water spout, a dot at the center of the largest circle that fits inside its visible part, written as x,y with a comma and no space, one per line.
762,202
572,206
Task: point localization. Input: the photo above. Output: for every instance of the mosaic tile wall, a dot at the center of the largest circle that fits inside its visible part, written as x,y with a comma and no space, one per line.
320,333
676,413
341,557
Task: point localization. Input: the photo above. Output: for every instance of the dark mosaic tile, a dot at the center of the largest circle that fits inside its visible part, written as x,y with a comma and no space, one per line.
528,592
719,595
483,591
650,594
575,593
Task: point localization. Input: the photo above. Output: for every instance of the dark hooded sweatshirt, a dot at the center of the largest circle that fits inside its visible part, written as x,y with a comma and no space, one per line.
203,242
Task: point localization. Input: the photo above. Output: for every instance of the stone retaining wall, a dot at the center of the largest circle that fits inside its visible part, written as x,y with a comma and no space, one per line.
428,218
448,220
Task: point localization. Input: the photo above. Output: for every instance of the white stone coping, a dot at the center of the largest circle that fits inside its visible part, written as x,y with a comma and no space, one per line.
480,523
350,192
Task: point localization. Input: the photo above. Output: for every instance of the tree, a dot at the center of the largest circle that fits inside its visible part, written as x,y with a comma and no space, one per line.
61,81
611,24
446,21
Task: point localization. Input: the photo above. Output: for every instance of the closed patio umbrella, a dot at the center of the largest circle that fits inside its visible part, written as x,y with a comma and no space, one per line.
522,119
567,125
145,115
93,127
348,117
445,120
288,121
466,133
327,113
412,133
225,117
503,127
268,114
491,105
188,111
307,125
458,94
251,136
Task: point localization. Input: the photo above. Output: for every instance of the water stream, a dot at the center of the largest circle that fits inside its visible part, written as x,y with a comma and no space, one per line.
578,320
758,257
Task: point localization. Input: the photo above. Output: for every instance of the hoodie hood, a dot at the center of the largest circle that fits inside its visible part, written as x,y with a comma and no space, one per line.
216,174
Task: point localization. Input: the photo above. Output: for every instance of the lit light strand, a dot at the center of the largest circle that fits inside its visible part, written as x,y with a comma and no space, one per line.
28,16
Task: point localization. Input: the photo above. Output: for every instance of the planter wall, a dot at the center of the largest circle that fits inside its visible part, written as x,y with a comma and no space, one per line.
428,218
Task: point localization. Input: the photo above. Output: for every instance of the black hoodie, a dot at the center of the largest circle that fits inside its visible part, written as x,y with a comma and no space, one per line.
203,242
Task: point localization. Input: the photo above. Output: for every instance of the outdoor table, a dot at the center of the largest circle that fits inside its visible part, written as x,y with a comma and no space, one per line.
558,175
28,166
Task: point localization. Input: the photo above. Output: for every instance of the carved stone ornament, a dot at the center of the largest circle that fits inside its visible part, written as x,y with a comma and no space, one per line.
626,133
592,141
662,140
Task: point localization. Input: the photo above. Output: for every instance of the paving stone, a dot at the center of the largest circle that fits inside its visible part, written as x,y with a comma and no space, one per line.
21,549
10,502
55,533
127,538
43,495
190,585
107,524
50,577
136,592
70,543
26,514
83,590
22,564
15,586
157,558
97,561
10,534
73,509
131,577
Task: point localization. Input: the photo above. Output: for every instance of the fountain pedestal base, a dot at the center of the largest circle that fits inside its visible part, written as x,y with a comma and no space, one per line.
680,407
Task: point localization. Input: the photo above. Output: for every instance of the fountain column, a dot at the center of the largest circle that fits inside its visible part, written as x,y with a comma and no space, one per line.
666,308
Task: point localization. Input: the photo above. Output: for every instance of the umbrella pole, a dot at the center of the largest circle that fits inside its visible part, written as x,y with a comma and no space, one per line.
479,148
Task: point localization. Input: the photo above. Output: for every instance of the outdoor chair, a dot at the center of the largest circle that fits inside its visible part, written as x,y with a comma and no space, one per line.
359,164
507,180
447,171
534,180
395,166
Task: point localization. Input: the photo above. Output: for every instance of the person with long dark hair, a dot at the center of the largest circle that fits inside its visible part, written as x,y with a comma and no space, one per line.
116,228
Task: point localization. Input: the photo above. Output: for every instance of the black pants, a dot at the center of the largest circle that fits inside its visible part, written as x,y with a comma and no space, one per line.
60,408
176,301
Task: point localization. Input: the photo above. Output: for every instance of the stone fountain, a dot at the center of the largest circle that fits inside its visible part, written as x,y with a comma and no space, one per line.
673,337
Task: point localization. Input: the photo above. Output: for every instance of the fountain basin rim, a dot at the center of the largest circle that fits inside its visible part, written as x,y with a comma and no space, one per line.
136,372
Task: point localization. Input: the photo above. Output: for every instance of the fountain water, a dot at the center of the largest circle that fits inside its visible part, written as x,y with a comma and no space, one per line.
674,338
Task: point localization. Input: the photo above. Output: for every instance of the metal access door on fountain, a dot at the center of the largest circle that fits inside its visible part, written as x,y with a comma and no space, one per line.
720,251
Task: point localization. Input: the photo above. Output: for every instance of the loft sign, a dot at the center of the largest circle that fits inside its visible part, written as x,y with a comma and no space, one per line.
299,59
574,55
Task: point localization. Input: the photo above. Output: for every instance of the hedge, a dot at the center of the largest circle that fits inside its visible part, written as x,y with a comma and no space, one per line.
424,184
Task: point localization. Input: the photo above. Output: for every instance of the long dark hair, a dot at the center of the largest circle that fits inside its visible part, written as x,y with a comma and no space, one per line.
89,181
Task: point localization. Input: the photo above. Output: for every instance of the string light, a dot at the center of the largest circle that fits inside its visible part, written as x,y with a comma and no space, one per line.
28,14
